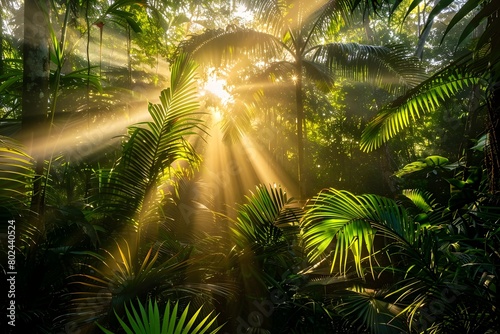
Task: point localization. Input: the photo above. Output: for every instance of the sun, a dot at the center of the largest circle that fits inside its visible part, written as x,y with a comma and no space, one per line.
219,88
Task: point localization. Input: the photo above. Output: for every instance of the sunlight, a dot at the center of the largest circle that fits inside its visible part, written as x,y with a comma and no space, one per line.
81,139
218,87
217,115
243,15
230,170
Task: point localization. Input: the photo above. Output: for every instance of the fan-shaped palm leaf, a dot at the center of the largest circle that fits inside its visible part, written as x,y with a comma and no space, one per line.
227,44
268,211
148,320
351,222
422,199
371,310
119,278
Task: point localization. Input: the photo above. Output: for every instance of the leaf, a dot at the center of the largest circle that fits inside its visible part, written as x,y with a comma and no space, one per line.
411,168
436,161
437,9
424,98
388,66
147,320
422,200
154,146
16,175
265,229
456,183
343,222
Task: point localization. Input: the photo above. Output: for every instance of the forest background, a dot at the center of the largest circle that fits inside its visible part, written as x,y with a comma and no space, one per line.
151,152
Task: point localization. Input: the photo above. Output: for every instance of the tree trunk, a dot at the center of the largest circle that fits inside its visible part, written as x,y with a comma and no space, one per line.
35,95
129,56
1,41
493,149
419,52
300,137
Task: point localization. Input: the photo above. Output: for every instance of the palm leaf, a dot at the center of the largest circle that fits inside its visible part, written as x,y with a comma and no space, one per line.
266,217
214,46
342,222
388,66
148,320
16,175
265,231
421,199
119,277
370,309
153,146
424,98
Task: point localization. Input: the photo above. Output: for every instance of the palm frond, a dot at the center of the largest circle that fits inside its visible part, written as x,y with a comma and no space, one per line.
424,98
16,175
215,46
152,147
389,66
321,75
265,232
148,320
118,277
272,12
422,199
341,222
371,310
237,121
264,217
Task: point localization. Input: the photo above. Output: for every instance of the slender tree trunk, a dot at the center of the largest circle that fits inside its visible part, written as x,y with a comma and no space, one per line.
370,36
299,100
129,56
1,41
493,149
419,52
35,95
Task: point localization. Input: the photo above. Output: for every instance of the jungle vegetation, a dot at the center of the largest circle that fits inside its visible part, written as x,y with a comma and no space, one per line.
250,166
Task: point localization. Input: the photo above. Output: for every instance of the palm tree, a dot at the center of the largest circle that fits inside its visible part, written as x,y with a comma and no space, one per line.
294,44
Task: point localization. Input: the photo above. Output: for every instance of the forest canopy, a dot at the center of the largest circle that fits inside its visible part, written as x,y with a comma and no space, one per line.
250,166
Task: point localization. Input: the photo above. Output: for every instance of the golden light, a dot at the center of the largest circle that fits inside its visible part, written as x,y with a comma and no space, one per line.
218,87
217,115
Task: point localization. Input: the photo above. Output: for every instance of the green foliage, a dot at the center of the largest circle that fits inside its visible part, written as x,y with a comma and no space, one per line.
152,147
118,279
387,66
350,223
16,175
427,164
269,217
422,200
428,253
265,233
423,98
147,320
371,310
